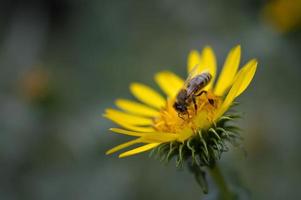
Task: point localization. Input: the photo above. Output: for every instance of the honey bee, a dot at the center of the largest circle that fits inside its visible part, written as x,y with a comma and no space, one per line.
192,88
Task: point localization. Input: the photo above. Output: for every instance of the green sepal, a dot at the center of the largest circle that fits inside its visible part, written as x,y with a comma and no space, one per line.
204,149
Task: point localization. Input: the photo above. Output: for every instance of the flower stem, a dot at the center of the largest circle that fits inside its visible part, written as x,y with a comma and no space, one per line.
225,193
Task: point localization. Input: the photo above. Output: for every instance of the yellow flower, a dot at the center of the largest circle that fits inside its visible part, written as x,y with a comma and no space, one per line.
284,15
154,122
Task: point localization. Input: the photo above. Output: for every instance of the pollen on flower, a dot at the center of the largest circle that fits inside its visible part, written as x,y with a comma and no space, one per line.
199,116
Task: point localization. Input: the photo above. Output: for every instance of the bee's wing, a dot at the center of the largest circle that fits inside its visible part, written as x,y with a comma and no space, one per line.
194,72
191,74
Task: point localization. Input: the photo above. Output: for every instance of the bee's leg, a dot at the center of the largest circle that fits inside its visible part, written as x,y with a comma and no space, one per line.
181,116
195,105
202,92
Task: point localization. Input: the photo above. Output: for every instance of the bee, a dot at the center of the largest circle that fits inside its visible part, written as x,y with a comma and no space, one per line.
192,88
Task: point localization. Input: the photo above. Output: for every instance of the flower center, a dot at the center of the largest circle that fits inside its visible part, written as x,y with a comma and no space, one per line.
199,115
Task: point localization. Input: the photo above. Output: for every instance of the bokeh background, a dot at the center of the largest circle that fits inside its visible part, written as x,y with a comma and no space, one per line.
64,61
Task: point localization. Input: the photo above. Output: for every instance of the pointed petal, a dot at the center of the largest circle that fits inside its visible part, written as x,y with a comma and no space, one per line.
150,137
208,63
147,95
249,71
169,82
136,108
228,72
127,118
241,82
160,137
126,132
193,60
146,129
122,146
139,150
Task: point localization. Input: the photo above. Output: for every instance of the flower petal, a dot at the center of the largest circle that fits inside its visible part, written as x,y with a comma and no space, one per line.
136,108
193,60
208,62
126,132
127,118
147,95
150,137
131,127
169,82
249,71
160,137
228,72
241,82
139,150
122,146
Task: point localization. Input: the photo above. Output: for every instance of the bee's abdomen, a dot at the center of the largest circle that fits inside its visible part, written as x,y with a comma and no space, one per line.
198,83
204,78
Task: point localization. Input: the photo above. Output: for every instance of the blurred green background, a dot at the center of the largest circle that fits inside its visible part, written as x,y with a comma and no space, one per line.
64,61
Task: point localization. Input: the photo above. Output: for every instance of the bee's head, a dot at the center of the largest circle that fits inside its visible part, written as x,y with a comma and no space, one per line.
180,108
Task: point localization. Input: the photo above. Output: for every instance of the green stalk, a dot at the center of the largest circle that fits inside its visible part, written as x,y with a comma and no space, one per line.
225,193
